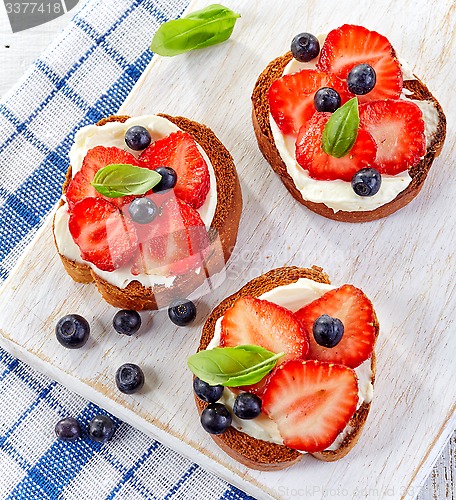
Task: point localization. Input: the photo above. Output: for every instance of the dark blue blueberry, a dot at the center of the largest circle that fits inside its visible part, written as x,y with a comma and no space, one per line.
327,100
168,180
247,406
206,392
129,378
305,47
366,182
101,428
126,322
216,418
137,138
361,79
143,210
72,331
68,429
182,312
327,331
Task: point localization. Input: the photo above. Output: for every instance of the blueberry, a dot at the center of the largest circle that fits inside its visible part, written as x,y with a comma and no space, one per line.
247,406
126,322
361,79
305,47
143,210
101,428
327,100
72,331
68,429
328,331
129,378
206,392
182,312
216,418
137,138
366,182
168,180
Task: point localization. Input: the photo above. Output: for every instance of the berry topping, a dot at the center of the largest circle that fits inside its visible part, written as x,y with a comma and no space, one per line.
72,331
101,428
137,138
327,100
247,406
355,311
142,210
397,127
216,418
327,331
366,182
182,312
311,402
361,79
168,180
68,429
126,322
259,322
206,392
129,378
305,47
104,236
180,152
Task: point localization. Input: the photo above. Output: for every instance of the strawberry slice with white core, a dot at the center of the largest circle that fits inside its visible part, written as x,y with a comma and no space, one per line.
351,306
311,402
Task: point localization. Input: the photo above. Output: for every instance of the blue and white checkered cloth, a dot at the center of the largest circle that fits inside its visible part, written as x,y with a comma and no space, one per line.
84,75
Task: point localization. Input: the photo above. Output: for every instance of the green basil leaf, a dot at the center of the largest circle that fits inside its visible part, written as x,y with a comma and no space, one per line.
341,131
118,180
233,366
209,26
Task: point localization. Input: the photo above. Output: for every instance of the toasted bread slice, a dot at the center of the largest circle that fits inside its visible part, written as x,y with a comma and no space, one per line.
223,229
263,132
252,452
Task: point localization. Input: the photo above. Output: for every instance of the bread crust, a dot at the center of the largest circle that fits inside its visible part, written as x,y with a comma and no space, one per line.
252,452
222,232
263,132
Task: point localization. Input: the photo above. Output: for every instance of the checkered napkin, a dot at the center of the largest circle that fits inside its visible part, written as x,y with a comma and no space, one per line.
84,75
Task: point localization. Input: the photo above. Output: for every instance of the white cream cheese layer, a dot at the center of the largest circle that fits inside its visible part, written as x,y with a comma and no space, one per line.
293,297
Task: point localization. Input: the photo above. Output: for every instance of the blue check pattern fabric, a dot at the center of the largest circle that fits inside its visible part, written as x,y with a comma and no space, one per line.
83,76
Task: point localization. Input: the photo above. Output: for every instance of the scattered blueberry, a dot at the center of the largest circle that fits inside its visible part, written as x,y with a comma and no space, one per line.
129,378
72,331
206,392
168,180
361,79
126,322
137,138
247,406
101,428
216,418
328,331
182,312
327,100
143,210
68,429
366,182
305,47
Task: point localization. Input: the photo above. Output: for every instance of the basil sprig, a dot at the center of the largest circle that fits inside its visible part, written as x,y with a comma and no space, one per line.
341,131
233,366
202,28
118,180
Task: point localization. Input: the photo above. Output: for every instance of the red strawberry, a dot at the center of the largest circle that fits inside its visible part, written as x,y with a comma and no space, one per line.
179,151
104,236
311,402
321,166
354,309
291,97
397,127
350,45
95,159
259,322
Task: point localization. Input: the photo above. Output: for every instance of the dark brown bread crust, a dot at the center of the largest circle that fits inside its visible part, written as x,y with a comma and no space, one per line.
262,127
255,453
224,228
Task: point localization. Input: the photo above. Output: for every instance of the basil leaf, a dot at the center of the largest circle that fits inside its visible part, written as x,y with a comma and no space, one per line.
202,28
341,131
118,180
233,366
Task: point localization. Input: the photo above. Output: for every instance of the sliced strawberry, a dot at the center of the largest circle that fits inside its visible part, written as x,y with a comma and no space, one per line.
397,127
321,166
311,402
180,152
354,309
259,322
104,236
350,45
95,159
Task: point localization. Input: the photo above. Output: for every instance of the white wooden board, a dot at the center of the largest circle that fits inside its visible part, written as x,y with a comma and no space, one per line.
405,265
